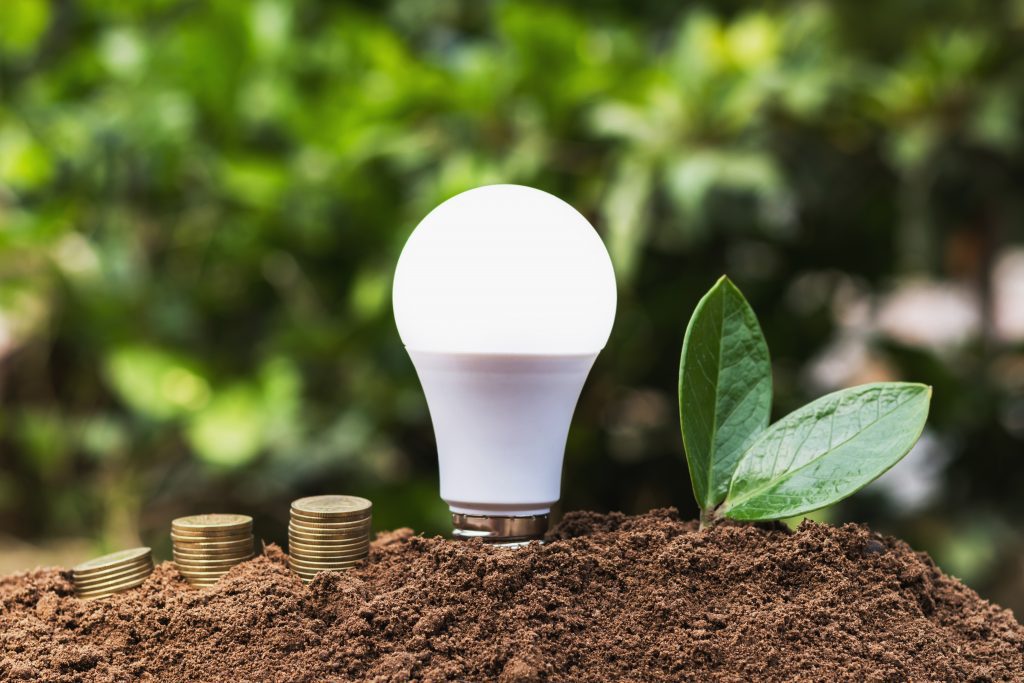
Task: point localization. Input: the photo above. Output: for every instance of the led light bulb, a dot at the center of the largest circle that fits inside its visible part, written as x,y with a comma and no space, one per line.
503,295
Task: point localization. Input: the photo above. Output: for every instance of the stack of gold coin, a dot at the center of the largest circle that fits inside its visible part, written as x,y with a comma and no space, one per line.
328,533
112,573
206,547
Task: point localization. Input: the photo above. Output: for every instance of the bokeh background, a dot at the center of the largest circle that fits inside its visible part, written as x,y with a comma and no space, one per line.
201,206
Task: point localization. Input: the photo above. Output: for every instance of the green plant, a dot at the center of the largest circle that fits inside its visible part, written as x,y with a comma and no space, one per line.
744,469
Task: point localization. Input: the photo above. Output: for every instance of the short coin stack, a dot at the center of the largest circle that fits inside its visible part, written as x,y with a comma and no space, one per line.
328,533
112,573
206,547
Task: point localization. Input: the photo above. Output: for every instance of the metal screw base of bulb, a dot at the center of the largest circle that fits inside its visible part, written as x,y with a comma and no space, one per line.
500,530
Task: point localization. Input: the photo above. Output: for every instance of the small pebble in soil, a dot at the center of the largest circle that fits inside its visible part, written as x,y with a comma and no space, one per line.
874,547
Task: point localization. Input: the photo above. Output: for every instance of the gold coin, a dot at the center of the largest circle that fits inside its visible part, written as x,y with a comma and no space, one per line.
195,559
309,579
351,519
305,548
319,563
208,573
201,564
329,543
214,568
114,571
325,563
112,589
329,539
113,586
212,522
209,569
203,573
327,548
305,571
315,561
362,527
325,545
223,547
198,561
97,596
208,581
310,573
327,535
308,576
344,536
300,565
106,593
316,527
211,537
332,507
330,535
218,555
130,574
351,516
101,564
196,544
328,554
197,547
208,566
211,554
322,544
215,536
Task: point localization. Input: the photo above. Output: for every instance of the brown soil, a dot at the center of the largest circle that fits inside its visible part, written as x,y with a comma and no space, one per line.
611,598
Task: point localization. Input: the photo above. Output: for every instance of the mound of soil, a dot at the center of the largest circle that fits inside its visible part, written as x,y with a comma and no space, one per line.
609,598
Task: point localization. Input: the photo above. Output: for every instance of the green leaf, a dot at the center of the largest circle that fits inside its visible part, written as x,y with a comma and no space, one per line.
231,430
22,25
725,389
625,212
155,383
827,450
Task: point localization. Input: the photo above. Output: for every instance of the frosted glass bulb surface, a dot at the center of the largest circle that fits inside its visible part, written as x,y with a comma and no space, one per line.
505,269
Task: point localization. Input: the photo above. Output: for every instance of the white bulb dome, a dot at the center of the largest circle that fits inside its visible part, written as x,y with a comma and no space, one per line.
505,269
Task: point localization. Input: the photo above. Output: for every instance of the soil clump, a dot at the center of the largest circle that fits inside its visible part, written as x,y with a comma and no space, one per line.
609,598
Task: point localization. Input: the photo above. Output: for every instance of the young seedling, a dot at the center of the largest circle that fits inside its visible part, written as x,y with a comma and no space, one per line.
742,468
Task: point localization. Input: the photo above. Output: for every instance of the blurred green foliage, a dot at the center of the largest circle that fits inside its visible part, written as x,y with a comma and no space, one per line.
201,204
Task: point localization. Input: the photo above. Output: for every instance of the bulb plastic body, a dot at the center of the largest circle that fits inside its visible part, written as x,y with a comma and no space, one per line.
503,295
501,423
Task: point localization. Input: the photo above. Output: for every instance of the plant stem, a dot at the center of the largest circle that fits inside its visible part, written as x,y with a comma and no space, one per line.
707,518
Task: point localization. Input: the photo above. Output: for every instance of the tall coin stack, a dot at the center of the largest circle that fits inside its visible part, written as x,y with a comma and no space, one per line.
206,547
112,573
328,533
